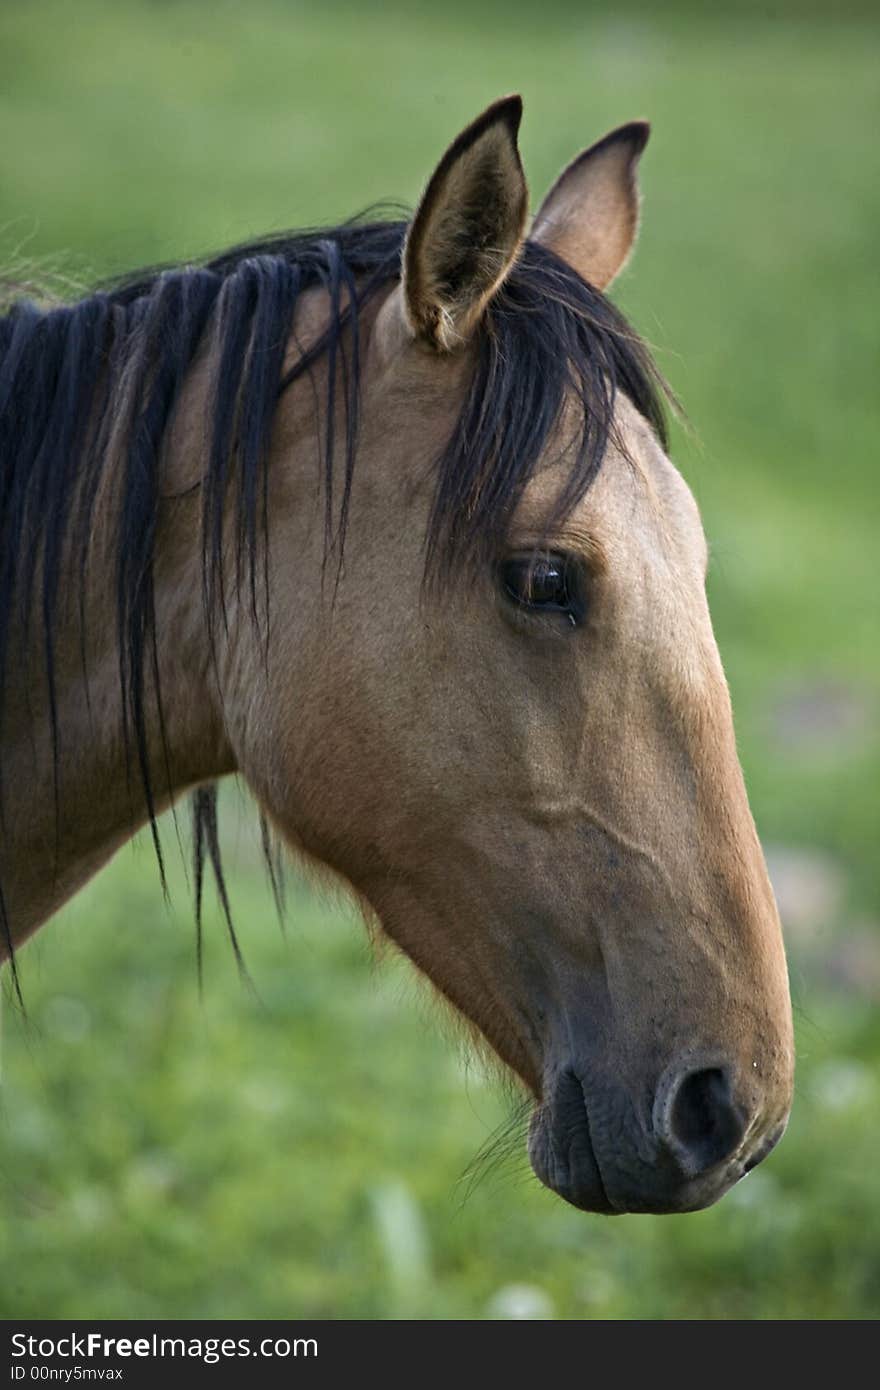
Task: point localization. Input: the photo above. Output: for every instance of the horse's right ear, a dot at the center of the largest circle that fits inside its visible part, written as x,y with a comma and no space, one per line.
468,229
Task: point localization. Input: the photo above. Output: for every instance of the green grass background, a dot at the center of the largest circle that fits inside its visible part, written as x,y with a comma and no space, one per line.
299,1151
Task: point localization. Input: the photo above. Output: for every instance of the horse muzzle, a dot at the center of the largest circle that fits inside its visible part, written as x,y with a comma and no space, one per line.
602,1151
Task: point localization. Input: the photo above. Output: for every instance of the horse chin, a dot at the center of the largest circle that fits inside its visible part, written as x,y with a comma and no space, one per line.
570,1170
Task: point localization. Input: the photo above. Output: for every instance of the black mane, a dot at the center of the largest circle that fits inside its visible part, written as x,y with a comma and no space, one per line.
74,378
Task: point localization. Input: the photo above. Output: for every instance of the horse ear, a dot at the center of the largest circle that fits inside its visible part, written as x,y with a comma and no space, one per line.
590,216
468,229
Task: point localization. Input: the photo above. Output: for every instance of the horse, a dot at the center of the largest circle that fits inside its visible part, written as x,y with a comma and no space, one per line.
381,518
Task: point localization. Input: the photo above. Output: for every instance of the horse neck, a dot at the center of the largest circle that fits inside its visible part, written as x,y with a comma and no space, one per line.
69,801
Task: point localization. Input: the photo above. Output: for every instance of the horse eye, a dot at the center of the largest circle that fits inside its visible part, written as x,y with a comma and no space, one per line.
548,583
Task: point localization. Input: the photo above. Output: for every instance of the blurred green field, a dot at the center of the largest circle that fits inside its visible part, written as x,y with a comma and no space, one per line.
298,1150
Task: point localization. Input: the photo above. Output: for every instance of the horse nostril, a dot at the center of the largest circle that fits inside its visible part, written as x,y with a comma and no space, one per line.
700,1121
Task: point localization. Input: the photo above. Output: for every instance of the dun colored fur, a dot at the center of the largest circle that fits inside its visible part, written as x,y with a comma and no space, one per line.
380,517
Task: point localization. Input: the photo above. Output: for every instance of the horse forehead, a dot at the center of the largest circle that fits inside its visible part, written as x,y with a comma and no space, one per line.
644,491
638,500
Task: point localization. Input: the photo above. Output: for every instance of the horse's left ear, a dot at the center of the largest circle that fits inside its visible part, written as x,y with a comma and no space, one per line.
591,214
468,229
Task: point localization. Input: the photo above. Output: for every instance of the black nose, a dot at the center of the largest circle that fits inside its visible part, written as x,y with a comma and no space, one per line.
696,1116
